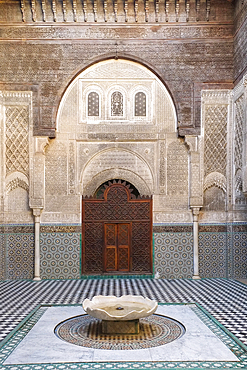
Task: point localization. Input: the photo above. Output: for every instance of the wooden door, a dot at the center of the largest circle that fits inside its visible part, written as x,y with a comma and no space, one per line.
117,232
117,247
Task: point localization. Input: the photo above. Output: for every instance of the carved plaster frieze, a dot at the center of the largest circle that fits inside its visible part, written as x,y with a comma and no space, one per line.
183,217
60,217
216,96
17,96
18,217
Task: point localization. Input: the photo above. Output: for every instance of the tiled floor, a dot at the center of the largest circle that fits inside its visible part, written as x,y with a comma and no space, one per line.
225,300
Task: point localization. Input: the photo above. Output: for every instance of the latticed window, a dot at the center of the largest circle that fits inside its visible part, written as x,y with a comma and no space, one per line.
140,104
93,104
117,104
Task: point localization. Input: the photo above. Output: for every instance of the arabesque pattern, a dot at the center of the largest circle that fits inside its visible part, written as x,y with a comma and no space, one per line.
17,149
238,138
215,139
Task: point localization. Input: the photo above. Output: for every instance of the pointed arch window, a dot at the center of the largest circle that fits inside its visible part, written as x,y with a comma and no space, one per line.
117,104
93,104
140,104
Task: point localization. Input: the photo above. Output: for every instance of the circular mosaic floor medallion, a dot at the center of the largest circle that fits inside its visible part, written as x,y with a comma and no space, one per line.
84,330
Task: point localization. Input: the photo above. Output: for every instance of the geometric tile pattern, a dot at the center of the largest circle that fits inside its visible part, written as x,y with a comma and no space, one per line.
212,254
224,299
222,251
2,255
20,253
239,254
87,331
60,255
173,254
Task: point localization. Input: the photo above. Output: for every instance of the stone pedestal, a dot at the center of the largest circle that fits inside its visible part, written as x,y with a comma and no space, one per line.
120,327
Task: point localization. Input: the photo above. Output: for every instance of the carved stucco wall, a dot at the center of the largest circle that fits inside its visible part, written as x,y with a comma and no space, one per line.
216,121
147,153
90,149
16,240
224,132
15,143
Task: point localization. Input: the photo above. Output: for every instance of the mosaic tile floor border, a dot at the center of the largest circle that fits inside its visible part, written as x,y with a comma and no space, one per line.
86,331
16,336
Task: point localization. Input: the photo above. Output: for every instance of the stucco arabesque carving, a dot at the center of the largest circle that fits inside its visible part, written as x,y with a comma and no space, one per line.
117,169
124,174
215,179
37,203
16,183
193,146
216,96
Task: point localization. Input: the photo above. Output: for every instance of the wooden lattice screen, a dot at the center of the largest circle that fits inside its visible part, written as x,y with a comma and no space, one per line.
117,232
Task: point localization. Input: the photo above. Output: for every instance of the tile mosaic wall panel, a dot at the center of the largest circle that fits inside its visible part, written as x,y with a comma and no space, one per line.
60,254
2,255
239,254
173,254
20,255
212,254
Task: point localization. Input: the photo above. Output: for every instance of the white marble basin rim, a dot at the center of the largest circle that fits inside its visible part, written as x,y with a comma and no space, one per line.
126,307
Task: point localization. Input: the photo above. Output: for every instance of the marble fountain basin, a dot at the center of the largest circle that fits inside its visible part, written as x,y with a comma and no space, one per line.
119,314
127,307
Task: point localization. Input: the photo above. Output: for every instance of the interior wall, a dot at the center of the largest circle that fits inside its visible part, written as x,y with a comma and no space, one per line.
193,53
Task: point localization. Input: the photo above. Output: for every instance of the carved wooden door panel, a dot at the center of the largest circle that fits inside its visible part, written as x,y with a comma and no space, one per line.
117,247
117,232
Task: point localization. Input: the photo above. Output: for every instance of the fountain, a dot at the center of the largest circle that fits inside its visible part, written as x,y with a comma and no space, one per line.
120,315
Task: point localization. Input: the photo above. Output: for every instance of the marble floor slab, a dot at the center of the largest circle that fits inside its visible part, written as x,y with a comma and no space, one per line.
41,345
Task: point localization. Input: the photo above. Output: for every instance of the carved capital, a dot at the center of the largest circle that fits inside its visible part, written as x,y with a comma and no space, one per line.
196,202
192,142
41,143
195,213
37,212
36,203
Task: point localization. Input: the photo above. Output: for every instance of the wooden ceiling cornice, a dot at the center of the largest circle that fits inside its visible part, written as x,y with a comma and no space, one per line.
132,11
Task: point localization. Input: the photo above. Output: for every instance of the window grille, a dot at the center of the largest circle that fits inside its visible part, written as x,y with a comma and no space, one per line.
117,104
93,104
140,104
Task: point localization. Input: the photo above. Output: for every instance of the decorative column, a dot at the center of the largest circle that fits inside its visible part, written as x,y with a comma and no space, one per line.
244,159
196,199
37,194
195,213
37,213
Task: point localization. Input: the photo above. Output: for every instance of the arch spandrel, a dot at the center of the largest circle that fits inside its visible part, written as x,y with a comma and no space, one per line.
117,163
105,76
